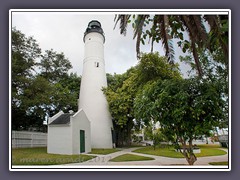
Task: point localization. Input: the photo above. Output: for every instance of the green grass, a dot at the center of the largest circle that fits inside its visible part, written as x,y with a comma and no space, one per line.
219,163
133,145
170,152
39,156
130,157
209,146
103,151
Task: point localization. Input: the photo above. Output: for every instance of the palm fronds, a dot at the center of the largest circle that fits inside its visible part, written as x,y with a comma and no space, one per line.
123,20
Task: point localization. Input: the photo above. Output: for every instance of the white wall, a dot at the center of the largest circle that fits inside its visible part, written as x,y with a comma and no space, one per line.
59,139
80,122
92,100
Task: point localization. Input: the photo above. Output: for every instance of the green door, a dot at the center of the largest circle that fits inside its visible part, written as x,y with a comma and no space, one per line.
82,141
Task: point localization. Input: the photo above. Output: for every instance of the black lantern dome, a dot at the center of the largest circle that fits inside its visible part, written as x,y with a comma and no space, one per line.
94,26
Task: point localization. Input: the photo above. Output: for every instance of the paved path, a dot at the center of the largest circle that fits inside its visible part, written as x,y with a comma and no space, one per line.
103,160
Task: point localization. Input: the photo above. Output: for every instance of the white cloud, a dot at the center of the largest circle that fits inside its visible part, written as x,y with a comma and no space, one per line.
64,31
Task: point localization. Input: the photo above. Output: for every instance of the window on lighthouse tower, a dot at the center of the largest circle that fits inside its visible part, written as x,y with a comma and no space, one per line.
97,64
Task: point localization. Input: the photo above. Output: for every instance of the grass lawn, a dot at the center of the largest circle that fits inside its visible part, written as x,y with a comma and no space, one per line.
219,163
103,151
39,156
130,157
210,146
206,150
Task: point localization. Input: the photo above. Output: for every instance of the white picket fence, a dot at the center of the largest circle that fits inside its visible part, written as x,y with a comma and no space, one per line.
22,139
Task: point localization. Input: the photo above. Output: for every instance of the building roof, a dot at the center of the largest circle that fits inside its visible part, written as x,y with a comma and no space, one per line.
63,119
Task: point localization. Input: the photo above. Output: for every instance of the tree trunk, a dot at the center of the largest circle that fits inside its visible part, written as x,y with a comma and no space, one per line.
129,132
128,136
191,157
188,152
119,137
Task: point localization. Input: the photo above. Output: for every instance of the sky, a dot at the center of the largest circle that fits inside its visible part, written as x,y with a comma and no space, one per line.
64,31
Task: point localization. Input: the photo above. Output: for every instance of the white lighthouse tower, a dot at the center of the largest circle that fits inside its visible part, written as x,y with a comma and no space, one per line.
91,98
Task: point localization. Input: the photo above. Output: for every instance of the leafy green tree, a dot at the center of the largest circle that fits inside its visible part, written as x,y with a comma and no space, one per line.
65,95
54,66
115,81
122,90
72,81
37,95
24,52
39,89
185,108
152,67
120,95
215,71
19,118
154,133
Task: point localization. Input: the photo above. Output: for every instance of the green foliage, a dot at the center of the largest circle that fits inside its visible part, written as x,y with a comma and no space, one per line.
215,72
189,104
120,101
122,89
120,95
185,108
65,94
152,67
130,157
154,134
24,52
54,66
39,89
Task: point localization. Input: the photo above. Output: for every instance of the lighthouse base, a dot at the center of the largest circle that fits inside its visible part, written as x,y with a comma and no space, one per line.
102,141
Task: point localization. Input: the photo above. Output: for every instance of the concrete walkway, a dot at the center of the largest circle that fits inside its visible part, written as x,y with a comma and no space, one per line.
103,160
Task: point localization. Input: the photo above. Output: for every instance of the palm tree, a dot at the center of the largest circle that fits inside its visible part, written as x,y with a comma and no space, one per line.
165,27
219,33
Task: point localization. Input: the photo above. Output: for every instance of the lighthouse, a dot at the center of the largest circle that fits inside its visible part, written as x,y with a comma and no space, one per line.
91,97
91,126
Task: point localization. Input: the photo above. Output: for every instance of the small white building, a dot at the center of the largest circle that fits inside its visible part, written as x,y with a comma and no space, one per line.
69,133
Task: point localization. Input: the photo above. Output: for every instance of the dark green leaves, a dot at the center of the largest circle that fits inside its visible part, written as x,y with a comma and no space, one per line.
186,108
41,84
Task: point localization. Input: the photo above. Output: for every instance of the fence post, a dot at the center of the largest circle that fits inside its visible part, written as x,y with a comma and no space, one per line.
31,139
